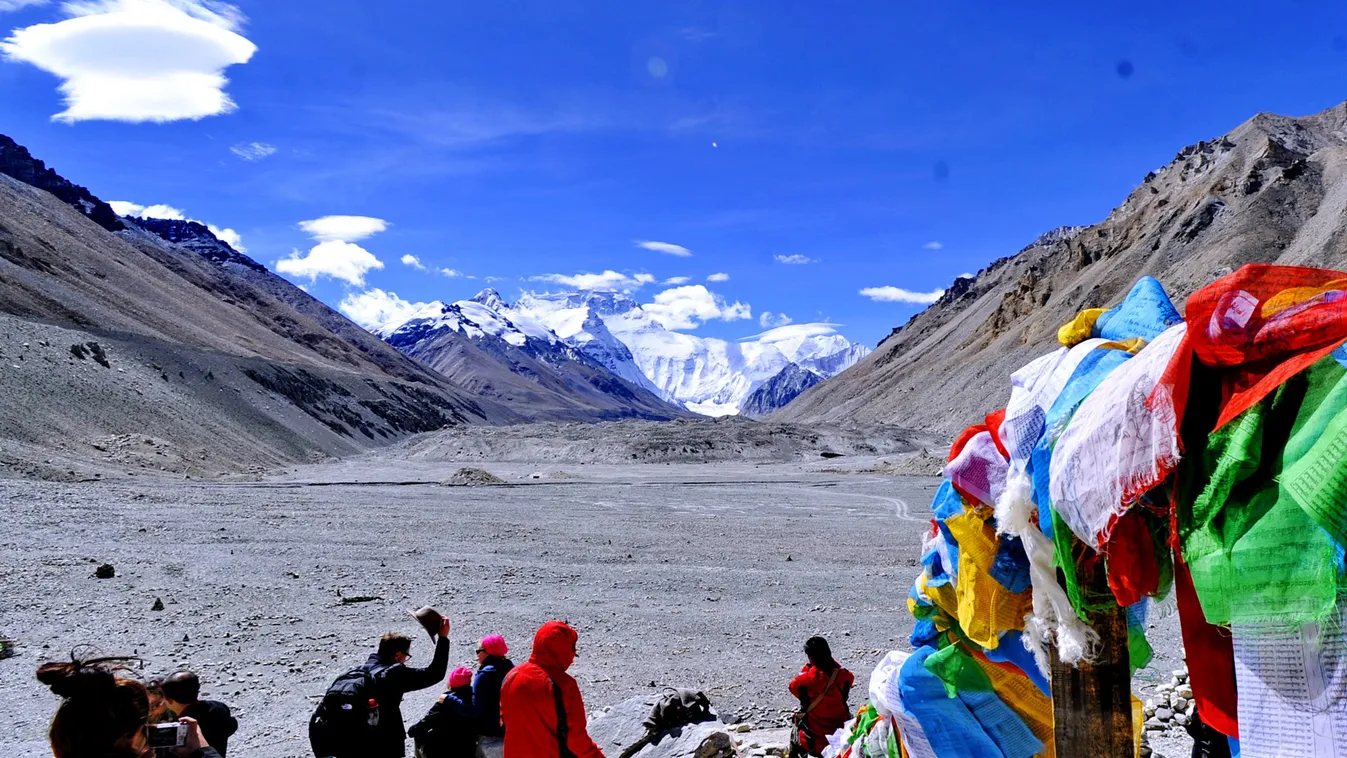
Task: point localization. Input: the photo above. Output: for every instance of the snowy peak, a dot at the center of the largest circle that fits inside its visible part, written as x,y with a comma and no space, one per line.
490,298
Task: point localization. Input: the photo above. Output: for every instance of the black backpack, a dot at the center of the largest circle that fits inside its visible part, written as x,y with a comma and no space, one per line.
346,722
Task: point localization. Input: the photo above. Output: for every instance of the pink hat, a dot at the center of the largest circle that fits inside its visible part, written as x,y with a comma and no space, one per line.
460,677
494,645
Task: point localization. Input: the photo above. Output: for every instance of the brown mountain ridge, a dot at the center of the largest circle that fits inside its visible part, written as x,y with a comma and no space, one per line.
1274,190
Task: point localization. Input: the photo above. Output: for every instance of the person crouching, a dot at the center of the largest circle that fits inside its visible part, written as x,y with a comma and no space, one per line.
822,687
449,730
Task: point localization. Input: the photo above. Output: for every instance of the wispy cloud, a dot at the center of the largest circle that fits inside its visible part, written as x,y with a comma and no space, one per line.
899,295
253,151
450,272
413,261
718,277
769,320
13,5
794,332
933,245
137,60
608,281
667,248
794,260
677,280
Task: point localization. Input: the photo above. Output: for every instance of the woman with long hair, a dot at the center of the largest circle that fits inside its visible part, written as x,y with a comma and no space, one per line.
104,714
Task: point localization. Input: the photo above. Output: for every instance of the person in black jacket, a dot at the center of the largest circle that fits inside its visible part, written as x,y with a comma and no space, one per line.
394,678
104,714
182,690
449,730
493,666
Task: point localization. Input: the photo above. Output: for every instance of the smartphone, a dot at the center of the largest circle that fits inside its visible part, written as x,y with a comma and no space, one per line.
172,734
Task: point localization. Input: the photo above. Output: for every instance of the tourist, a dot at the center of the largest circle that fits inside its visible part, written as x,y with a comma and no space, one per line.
105,715
822,687
449,730
492,668
181,692
540,704
360,716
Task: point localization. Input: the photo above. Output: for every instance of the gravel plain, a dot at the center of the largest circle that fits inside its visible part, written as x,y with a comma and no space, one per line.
709,576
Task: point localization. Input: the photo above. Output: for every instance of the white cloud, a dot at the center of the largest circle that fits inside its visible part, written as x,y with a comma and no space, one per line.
719,277
336,259
900,295
449,272
674,281
768,319
966,275
689,307
253,151
933,245
375,307
413,261
228,236
668,248
795,260
125,208
343,228
607,281
137,60
793,332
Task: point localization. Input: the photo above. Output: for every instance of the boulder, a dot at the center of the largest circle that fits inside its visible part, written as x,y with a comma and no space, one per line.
623,726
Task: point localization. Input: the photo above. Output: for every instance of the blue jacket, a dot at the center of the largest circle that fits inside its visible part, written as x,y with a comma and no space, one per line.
450,729
486,694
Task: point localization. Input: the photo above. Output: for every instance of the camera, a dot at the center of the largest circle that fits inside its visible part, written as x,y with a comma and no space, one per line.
166,735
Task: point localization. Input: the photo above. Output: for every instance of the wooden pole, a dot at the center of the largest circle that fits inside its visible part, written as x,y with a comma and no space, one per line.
1092,702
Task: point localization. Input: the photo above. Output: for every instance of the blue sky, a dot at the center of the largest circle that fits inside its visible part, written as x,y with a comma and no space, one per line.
889,144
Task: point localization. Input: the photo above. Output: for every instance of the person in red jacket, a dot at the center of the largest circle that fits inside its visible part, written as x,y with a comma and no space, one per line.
823,687
540,703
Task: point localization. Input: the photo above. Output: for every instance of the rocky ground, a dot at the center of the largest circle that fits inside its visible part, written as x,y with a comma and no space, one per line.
709,576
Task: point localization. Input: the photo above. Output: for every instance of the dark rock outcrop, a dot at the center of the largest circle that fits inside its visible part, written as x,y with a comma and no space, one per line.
777,392
17,162
197,237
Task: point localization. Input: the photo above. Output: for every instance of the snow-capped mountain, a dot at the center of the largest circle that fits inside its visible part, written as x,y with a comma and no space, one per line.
708,376
484,345
610,333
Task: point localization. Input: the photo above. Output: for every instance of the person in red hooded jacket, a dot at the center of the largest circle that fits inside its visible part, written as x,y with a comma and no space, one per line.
540,703
823,687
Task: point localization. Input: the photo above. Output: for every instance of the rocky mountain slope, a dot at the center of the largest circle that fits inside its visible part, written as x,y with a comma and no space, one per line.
776,393
123,347
1272,190
488,349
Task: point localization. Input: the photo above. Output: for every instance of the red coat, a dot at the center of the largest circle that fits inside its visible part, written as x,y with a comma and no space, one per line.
528,704
831,712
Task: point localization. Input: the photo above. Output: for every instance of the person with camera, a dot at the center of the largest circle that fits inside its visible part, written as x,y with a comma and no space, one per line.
182,690
105,715
822,687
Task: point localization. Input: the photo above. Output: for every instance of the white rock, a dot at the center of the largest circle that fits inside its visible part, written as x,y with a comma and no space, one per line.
1164,714
1180,704
1185,692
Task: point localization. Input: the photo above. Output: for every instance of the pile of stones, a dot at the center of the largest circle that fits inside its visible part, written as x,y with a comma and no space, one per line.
1172,706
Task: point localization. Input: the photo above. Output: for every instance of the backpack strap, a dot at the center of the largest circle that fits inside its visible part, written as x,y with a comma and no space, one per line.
831,680
563,726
